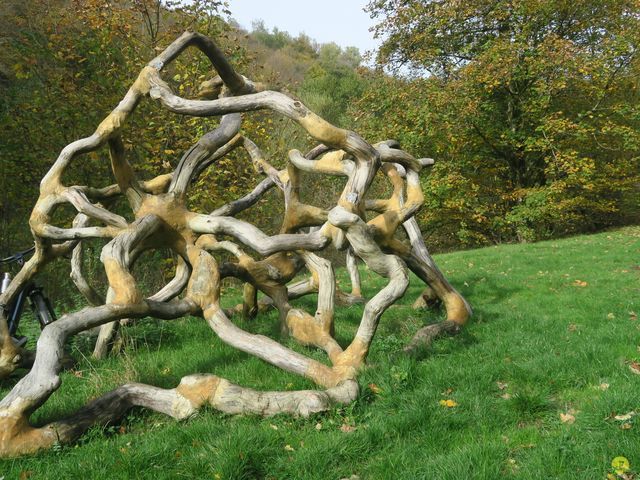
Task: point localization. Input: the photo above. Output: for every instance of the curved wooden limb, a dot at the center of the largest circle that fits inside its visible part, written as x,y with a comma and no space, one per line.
270,276
82,204
89,293
322,160
295,290
237,206
297,215
12,356
249,301
396,211
117,257
236,83
204,289
109,334
193,393
458,310
331,163
254,238
317,151
206,146
426,335
218,154
153,186
17,436
388,266
317,330
261,165
123,172
422,264
176,285
366,157
354,273
394,155
427,299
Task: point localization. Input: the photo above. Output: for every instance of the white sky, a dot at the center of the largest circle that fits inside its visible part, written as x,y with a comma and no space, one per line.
341,21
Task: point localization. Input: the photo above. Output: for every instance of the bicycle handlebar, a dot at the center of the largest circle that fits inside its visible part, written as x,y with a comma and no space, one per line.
16,257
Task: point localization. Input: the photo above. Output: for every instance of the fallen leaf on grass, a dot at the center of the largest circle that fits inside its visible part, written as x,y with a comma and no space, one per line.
624,417
375,388
502,385
347,428
318,426
611,316
626,426
579,283
567,418
505,396
620,465
633,316
289,448
635,367
448,403
603,386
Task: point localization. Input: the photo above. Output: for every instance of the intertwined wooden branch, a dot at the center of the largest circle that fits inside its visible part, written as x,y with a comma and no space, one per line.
162,220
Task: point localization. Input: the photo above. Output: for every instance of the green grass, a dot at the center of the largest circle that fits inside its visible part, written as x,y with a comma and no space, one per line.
552,339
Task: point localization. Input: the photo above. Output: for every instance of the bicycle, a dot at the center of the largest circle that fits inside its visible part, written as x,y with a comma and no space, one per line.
40,304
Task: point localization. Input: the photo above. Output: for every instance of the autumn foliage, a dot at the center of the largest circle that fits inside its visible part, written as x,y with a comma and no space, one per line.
530,108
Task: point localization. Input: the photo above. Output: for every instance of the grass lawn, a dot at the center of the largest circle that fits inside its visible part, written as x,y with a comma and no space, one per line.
536,381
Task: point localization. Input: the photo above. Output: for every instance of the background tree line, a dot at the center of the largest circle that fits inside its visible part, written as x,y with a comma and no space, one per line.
530,108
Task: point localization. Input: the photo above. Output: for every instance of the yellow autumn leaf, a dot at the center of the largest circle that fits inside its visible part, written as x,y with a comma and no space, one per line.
620,465
448,403
375,388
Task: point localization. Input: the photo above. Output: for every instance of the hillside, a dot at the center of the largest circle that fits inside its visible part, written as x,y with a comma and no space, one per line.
542,384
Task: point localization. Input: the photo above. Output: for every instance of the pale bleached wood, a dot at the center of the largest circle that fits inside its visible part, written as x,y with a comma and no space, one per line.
245,202
354,273
163,221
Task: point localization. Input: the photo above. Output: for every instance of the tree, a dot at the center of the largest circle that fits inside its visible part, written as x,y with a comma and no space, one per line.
334,82
531,109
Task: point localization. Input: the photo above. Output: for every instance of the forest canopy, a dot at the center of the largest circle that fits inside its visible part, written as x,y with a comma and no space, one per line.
530,108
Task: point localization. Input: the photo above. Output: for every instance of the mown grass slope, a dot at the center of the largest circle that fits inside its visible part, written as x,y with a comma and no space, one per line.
537,380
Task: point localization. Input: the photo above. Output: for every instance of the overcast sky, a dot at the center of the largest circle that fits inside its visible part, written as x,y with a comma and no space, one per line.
341,21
